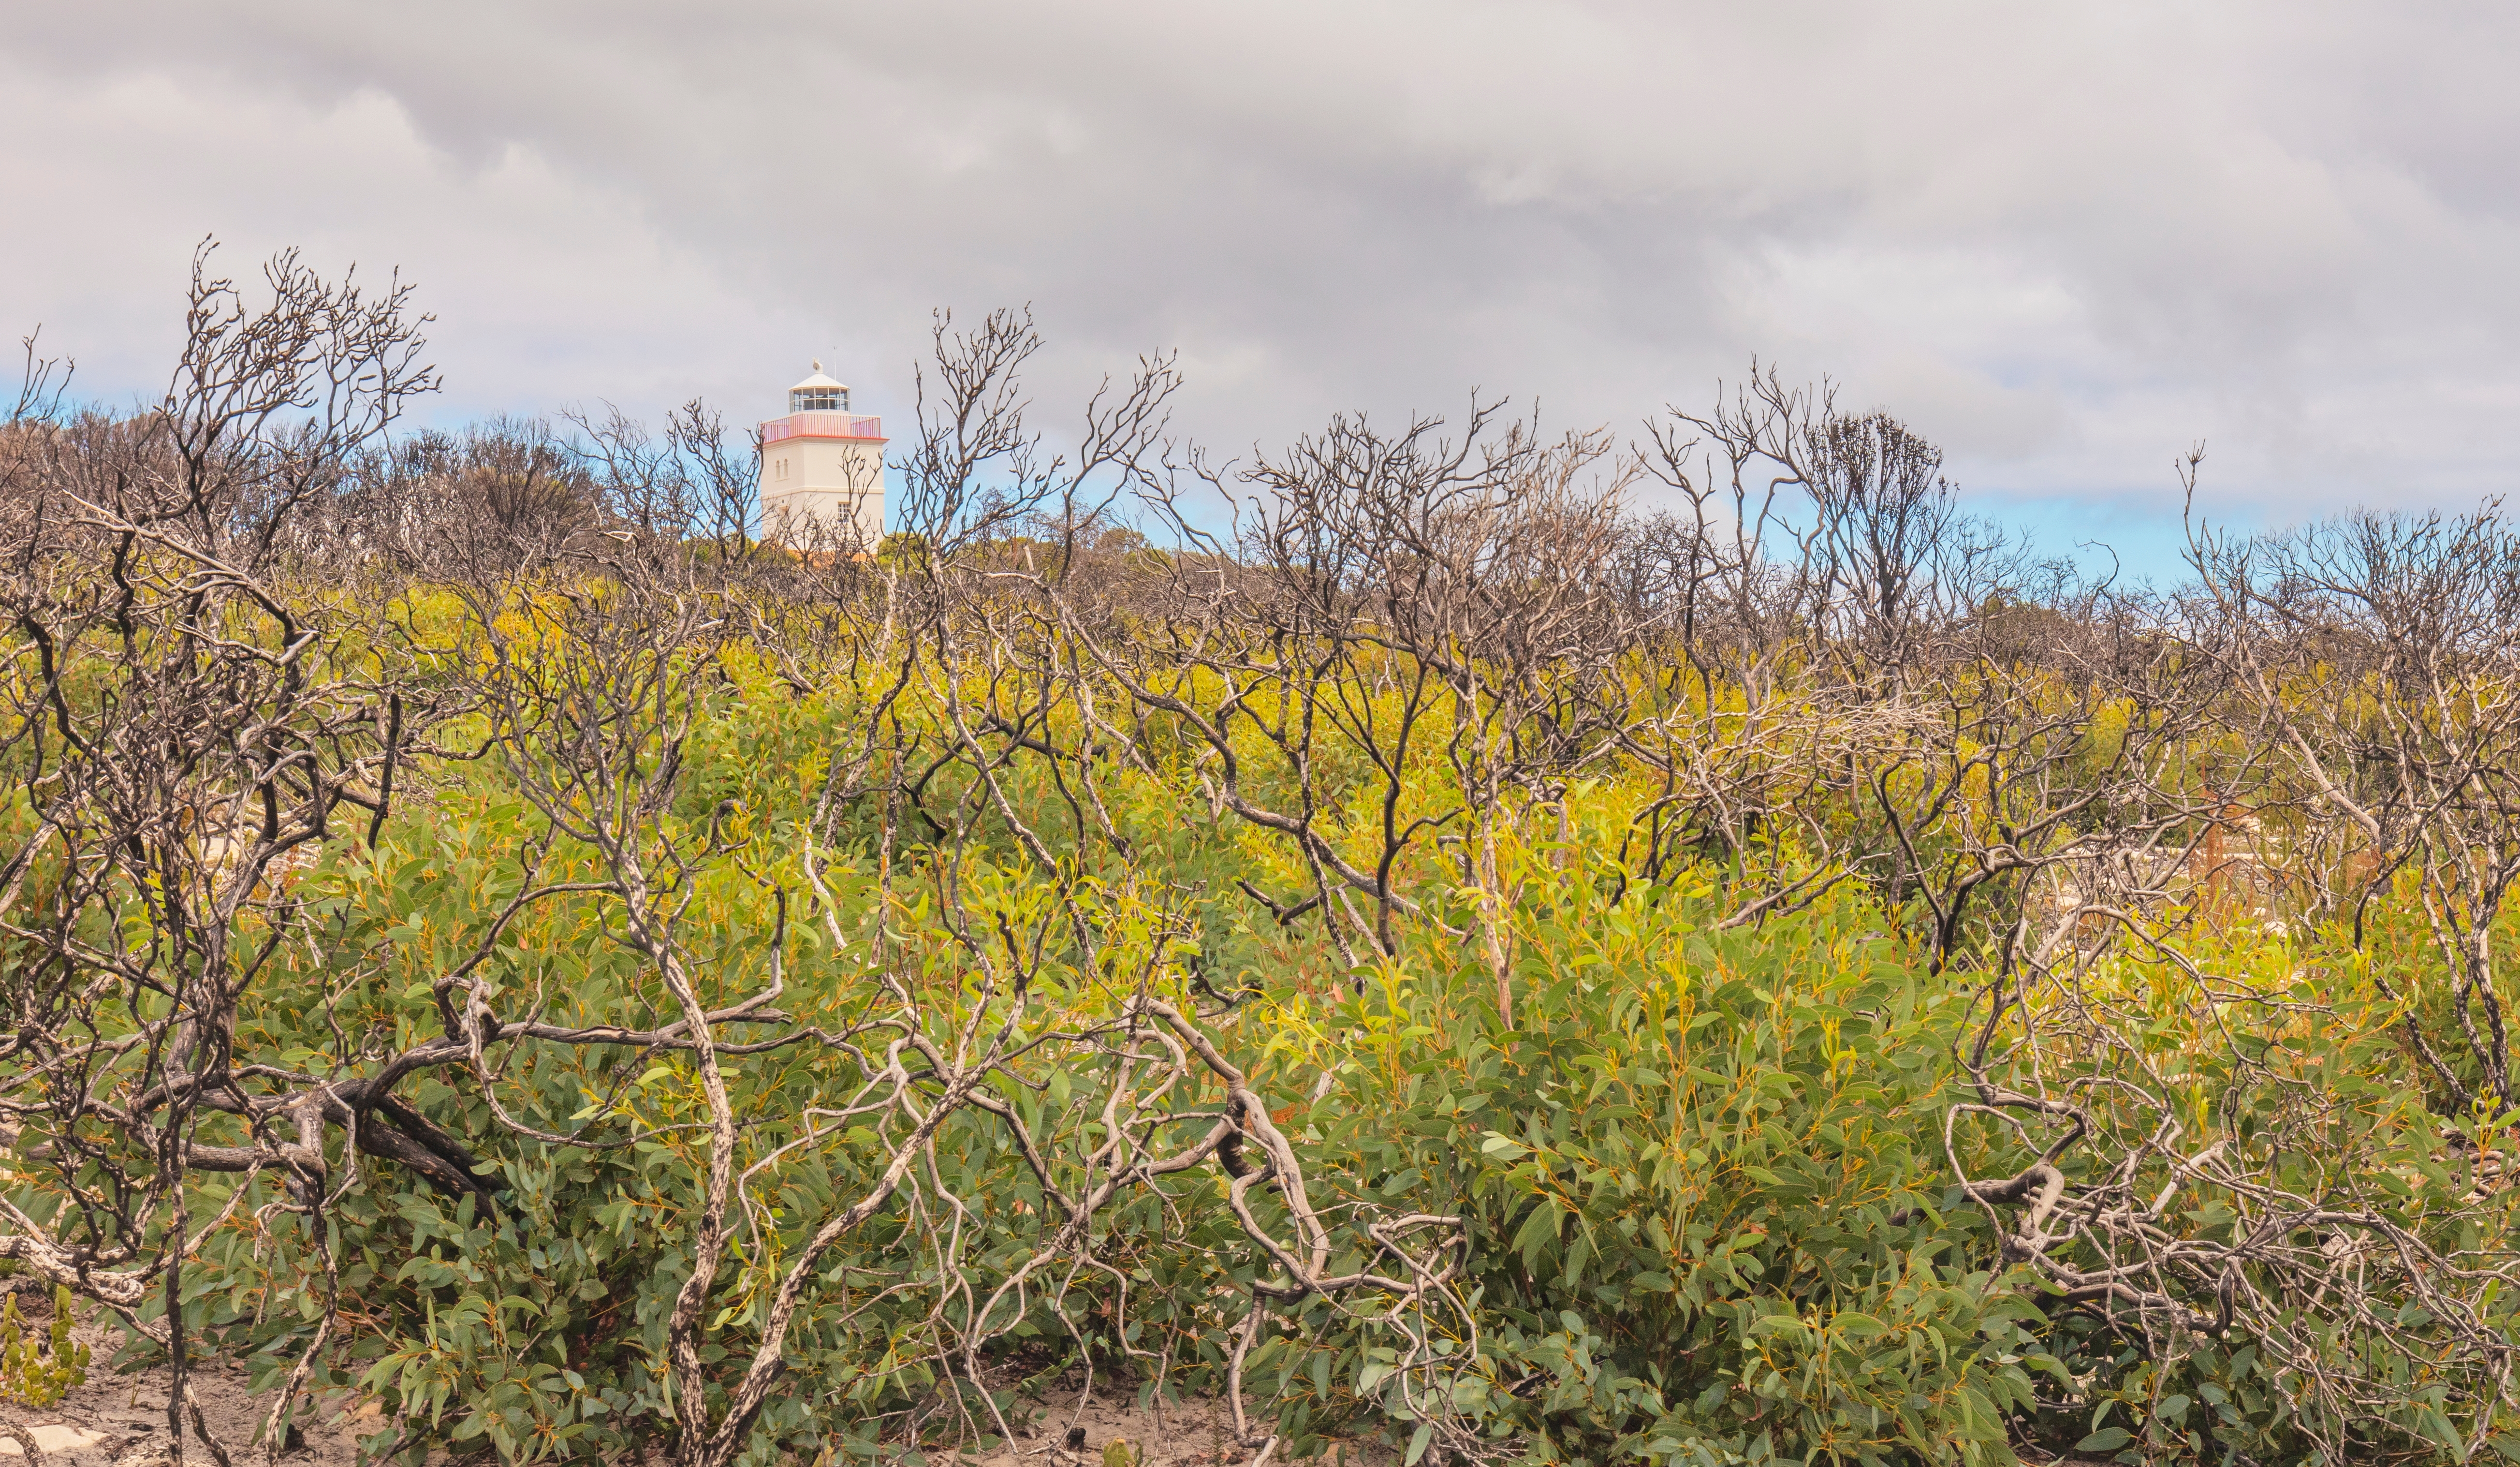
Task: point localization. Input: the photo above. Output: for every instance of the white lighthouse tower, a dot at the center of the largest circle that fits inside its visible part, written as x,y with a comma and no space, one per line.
822,470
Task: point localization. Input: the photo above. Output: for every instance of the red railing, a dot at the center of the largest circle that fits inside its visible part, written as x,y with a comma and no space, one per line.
823,425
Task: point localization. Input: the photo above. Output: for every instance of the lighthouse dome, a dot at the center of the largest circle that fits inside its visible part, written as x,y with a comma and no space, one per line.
818,394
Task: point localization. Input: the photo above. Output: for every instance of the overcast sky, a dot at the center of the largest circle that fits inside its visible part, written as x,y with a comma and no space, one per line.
2066,241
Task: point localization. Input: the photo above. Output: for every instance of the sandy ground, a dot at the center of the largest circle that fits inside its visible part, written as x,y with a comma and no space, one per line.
1195,1432
121,1421
123,1418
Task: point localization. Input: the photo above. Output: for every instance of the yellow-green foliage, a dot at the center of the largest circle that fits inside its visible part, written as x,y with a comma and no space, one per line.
38,1368
1703,1163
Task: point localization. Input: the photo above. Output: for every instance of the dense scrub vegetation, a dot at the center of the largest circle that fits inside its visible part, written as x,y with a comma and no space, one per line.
1390,935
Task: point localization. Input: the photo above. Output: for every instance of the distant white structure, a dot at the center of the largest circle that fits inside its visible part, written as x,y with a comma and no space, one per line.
822,469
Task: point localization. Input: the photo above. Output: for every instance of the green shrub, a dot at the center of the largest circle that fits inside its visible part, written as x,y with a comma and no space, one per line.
1704,1185
1702,1175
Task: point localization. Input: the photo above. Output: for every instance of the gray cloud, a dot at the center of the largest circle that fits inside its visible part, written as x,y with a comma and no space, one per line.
2066,241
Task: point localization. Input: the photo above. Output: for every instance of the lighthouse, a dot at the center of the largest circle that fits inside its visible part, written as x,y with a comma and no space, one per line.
822,470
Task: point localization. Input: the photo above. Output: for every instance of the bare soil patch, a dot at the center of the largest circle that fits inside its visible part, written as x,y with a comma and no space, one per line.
119,1420
123,1418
